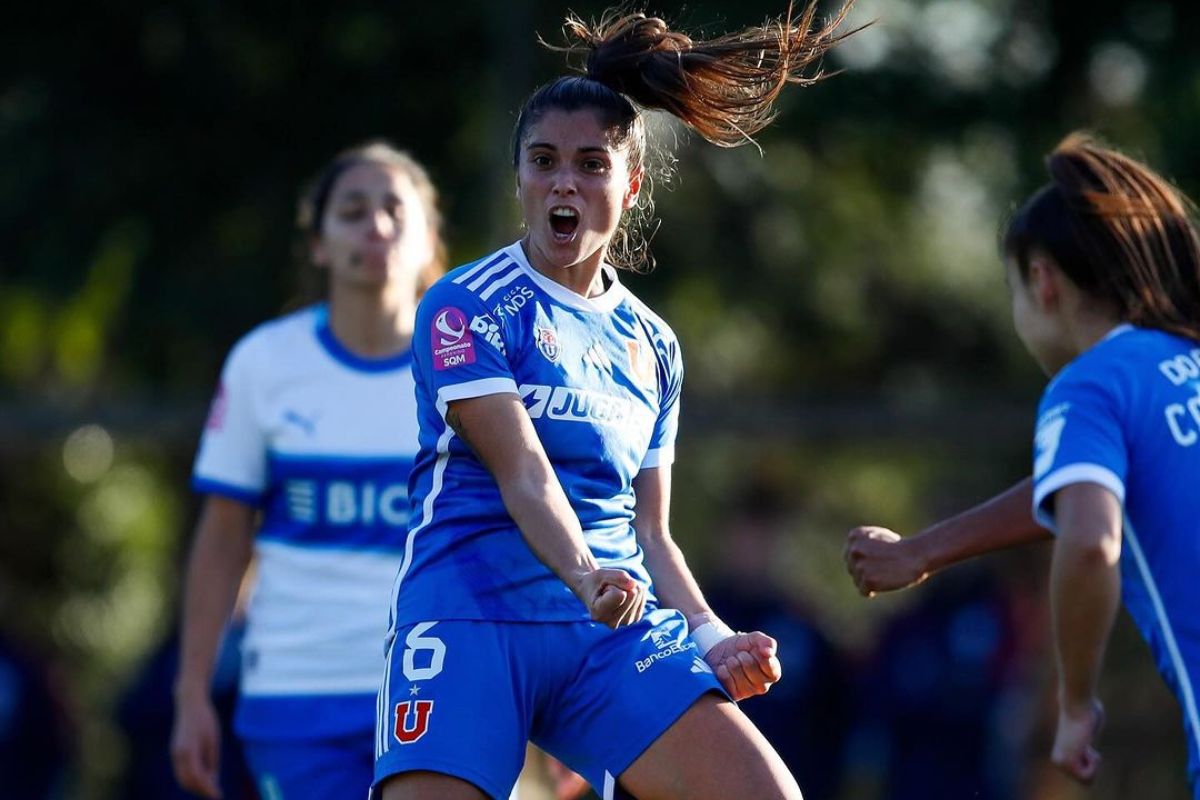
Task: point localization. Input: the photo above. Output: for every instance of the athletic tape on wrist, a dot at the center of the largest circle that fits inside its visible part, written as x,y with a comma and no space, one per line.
710,634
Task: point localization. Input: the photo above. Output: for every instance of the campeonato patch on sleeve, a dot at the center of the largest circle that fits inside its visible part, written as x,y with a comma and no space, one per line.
451,339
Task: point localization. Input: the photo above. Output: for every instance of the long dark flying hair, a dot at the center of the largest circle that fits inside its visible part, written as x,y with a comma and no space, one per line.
1120,232
724,88
314,201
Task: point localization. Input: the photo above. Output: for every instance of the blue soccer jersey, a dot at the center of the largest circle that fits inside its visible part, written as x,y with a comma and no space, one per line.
323,442
1126,415
600,378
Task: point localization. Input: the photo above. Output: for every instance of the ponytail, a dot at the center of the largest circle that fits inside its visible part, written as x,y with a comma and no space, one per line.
723,88
1119,231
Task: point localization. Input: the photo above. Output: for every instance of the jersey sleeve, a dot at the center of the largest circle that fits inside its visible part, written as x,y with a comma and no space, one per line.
232,460
459,350
1079,439
670,371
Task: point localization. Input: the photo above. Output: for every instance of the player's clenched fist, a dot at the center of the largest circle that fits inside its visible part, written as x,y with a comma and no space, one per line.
746,664
880,560
612,596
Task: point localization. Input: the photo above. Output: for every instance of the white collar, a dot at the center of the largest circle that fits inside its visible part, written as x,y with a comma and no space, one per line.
602,303
1124,327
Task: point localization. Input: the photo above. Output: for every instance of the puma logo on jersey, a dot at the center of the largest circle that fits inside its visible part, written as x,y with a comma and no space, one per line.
307,424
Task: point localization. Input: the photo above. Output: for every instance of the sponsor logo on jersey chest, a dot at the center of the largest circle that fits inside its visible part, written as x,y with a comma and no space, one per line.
486,327
347,502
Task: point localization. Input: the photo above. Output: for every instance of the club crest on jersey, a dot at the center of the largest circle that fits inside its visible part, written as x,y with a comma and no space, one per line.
547,343
412,720
640,361
451,338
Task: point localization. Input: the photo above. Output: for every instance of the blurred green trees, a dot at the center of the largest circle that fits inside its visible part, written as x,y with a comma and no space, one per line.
838,295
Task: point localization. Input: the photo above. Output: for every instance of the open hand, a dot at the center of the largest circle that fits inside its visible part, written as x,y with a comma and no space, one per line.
880,560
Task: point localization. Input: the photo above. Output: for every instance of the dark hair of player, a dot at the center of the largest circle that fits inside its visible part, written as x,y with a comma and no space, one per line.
722,88
1119,231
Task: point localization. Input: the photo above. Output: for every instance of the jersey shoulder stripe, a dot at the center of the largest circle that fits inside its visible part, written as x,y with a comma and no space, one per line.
469,271
502,281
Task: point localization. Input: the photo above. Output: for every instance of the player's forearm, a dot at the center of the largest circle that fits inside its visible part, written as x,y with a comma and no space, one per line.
536,502
1005,520
1085,591
1085,587
215,568
674,584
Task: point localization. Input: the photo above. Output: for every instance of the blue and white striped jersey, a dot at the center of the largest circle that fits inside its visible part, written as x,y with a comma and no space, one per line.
600,378
1126,415
322,441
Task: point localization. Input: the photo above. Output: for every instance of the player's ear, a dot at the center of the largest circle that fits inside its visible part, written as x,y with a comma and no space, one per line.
1045,280
632,190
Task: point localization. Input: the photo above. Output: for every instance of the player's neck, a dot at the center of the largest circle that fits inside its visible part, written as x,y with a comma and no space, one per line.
585,278
372,324
1089,323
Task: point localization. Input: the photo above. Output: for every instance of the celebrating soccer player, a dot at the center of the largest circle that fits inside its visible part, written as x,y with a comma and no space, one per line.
542,597
1104,270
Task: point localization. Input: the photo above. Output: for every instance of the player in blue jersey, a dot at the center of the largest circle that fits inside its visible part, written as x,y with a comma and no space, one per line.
541,596
1104,270
305,463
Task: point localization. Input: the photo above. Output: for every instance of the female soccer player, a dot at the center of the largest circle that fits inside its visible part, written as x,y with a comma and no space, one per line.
548,399
1104,269
305,461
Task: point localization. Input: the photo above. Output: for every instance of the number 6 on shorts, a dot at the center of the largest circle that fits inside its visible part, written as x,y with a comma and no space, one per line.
415,642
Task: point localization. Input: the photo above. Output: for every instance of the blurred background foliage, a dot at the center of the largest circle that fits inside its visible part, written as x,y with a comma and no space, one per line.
838,294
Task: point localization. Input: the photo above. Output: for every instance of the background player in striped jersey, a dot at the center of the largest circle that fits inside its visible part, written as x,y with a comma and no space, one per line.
305,461
548,399
1103,265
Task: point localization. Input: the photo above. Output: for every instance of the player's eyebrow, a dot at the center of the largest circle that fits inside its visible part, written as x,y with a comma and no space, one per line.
595,148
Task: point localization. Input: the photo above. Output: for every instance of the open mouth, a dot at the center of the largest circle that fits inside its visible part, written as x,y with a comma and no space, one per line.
564,221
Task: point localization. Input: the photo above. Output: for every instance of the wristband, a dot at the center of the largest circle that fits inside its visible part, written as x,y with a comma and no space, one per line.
710,634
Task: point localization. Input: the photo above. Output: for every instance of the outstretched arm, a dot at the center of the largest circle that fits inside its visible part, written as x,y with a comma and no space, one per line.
880,560
745,663
218,559
498,430
1085,588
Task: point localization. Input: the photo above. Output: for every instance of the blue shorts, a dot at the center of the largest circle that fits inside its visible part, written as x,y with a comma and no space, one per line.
324,769
462,697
